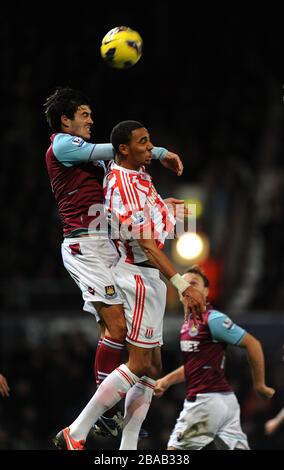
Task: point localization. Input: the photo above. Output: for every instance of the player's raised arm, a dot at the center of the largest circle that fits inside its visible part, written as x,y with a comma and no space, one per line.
173,162
168,159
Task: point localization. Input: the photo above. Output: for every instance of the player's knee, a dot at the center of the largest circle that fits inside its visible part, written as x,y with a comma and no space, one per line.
154,371
140,367
114,320
117,332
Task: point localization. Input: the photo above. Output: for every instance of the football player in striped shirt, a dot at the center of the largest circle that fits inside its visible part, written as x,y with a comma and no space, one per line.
144,221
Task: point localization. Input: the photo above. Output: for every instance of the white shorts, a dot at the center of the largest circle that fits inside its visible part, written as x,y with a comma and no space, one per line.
88,261
144,295
210,415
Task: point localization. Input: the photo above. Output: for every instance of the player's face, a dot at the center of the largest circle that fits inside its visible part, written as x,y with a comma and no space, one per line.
196,281
139,150
81,124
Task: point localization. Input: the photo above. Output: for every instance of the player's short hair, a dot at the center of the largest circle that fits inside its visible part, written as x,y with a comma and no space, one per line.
121,133
195,269
64,101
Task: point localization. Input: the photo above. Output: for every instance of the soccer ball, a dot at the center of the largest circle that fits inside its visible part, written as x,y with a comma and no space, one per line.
121,47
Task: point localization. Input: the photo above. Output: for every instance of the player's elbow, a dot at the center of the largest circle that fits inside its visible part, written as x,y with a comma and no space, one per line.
148,245
249,341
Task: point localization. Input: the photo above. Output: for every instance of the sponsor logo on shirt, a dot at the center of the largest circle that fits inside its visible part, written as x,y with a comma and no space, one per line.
189,346
78,141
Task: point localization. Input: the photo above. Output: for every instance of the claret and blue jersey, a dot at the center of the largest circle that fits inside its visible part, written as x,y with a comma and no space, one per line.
76,169
203,349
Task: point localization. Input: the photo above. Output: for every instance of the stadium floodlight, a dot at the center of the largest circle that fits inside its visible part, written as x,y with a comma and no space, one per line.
191,247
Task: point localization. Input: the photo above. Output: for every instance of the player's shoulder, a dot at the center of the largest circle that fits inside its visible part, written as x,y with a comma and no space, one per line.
213,314
220,319
62,140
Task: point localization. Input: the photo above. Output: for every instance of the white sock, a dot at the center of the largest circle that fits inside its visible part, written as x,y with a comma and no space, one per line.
110,392
137,403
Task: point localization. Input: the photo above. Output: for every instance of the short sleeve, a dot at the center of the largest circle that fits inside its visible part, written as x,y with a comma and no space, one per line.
71,150
223,329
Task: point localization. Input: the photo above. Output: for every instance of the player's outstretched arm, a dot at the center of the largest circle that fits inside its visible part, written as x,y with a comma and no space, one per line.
174,377
256,360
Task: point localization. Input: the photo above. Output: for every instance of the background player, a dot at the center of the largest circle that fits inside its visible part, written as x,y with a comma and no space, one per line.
132,198
210,418
4,387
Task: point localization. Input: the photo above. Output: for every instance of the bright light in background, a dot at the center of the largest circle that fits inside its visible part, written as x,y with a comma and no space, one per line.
193,194
191,247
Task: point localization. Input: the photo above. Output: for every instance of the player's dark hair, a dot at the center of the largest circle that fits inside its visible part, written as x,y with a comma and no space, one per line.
64,101
121,133
195,269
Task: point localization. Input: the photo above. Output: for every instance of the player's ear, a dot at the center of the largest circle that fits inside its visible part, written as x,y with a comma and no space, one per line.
123,150
65,121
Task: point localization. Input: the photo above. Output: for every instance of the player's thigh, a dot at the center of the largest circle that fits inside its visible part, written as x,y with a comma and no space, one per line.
194,428
88,263
144,302
113,320
231,432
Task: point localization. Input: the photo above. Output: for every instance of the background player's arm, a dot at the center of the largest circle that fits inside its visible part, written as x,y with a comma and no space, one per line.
174,377
223,329
4,387
193,299
273,424
256,360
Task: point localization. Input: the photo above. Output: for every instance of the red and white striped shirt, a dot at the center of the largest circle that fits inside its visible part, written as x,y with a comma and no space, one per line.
134,208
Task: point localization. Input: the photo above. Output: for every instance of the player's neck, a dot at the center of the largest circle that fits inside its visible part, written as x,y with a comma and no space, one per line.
129,166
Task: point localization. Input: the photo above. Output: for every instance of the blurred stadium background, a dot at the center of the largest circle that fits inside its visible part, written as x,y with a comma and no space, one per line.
210,87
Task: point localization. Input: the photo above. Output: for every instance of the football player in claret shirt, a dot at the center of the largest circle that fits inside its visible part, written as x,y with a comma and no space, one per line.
76,169
210,418
133,201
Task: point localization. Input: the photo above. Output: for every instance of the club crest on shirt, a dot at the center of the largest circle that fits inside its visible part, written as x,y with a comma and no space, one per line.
193,330
110,292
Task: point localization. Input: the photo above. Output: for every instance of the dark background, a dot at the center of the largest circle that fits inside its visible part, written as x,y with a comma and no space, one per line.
209,86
